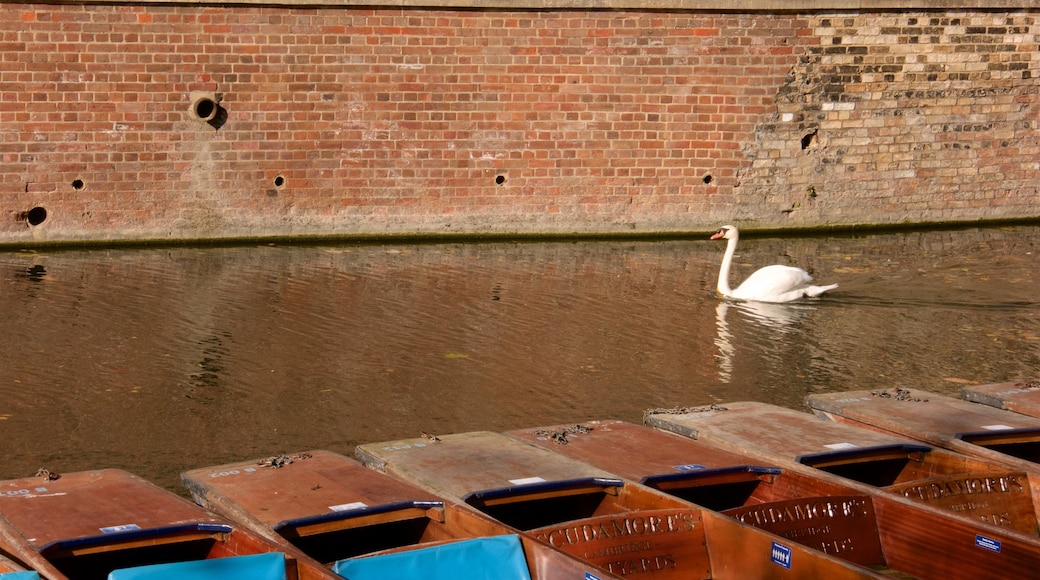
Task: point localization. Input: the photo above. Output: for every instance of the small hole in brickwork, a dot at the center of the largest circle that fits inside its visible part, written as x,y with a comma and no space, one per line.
77,184
500,179
707,179
279,181
36,216
205,109
808,140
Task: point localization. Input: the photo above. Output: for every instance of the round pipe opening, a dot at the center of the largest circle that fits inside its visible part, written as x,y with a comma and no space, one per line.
205,106
35,216
205,109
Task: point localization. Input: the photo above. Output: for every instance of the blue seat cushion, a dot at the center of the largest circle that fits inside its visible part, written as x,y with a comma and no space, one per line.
270,566
494,558
30,575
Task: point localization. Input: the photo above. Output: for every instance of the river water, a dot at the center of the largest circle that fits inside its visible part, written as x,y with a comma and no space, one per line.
162,359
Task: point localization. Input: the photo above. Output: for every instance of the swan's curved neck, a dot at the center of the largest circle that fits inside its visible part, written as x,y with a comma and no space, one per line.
723,285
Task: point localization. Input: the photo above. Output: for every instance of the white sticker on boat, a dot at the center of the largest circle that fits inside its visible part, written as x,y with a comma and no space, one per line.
346,507
840,446
117,529
526,480
688,467
987,543
996,427
781,555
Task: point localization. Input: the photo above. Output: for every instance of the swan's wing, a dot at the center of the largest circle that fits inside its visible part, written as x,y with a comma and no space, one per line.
773,284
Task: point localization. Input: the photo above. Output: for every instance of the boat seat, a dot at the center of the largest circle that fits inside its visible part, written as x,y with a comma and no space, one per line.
30,575
494,558
269,566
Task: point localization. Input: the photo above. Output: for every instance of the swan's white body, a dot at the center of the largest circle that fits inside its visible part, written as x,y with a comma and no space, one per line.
770,284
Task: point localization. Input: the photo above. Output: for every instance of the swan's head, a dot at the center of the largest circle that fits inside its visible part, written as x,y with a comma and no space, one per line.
726,232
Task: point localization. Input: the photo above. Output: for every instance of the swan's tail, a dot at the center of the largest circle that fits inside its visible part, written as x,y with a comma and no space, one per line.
814,291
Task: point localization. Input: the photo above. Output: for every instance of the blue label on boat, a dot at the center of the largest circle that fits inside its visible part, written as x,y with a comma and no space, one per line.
689,467
987,543
122,528
781,555
591,576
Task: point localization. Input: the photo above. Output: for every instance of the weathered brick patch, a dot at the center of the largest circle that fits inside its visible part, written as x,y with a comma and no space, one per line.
175,122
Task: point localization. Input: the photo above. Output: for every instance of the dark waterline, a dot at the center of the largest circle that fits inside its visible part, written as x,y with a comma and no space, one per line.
158,360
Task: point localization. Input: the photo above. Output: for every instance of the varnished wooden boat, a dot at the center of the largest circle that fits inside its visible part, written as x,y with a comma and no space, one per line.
332,508
918,471
624,528
1021,397
88,525
755,492
995,435
976,522
9,565
11,570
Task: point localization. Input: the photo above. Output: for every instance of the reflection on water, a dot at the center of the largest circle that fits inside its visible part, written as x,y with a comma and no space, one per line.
158,360
767,318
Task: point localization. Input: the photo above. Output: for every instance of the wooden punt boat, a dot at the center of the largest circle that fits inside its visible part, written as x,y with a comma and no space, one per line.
625,529
332,508
92,524
753,492
1021,397
917,471
995,435
942,483
11,570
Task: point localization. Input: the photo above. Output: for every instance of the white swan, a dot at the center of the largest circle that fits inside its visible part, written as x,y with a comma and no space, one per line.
770,284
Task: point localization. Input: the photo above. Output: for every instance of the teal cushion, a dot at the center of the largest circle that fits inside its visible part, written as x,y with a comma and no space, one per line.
494,558
270,566
20,576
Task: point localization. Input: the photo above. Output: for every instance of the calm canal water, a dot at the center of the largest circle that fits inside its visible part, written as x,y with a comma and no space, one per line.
160,360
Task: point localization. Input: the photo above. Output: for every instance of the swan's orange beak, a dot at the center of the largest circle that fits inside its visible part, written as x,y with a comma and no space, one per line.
718,234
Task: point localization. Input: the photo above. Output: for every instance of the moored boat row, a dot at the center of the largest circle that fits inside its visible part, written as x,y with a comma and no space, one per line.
1021,397
735,490
976,489
977,430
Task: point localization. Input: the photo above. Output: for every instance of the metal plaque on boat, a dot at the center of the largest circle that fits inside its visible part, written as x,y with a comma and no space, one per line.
1001,498
662,543
842,526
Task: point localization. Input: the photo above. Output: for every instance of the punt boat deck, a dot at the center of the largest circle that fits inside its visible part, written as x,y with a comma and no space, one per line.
904,466
981,431
874,460
332,508
755,492
8,567
87,525
1021,397
624,528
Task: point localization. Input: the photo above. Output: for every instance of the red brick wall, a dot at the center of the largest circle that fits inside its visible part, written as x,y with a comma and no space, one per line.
347,121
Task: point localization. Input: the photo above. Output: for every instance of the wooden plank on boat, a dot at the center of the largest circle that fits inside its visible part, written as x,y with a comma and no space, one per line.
788,503
992,434
917,471
9,565
1021,397
87,524
911,533
333,508
707,475
623,528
